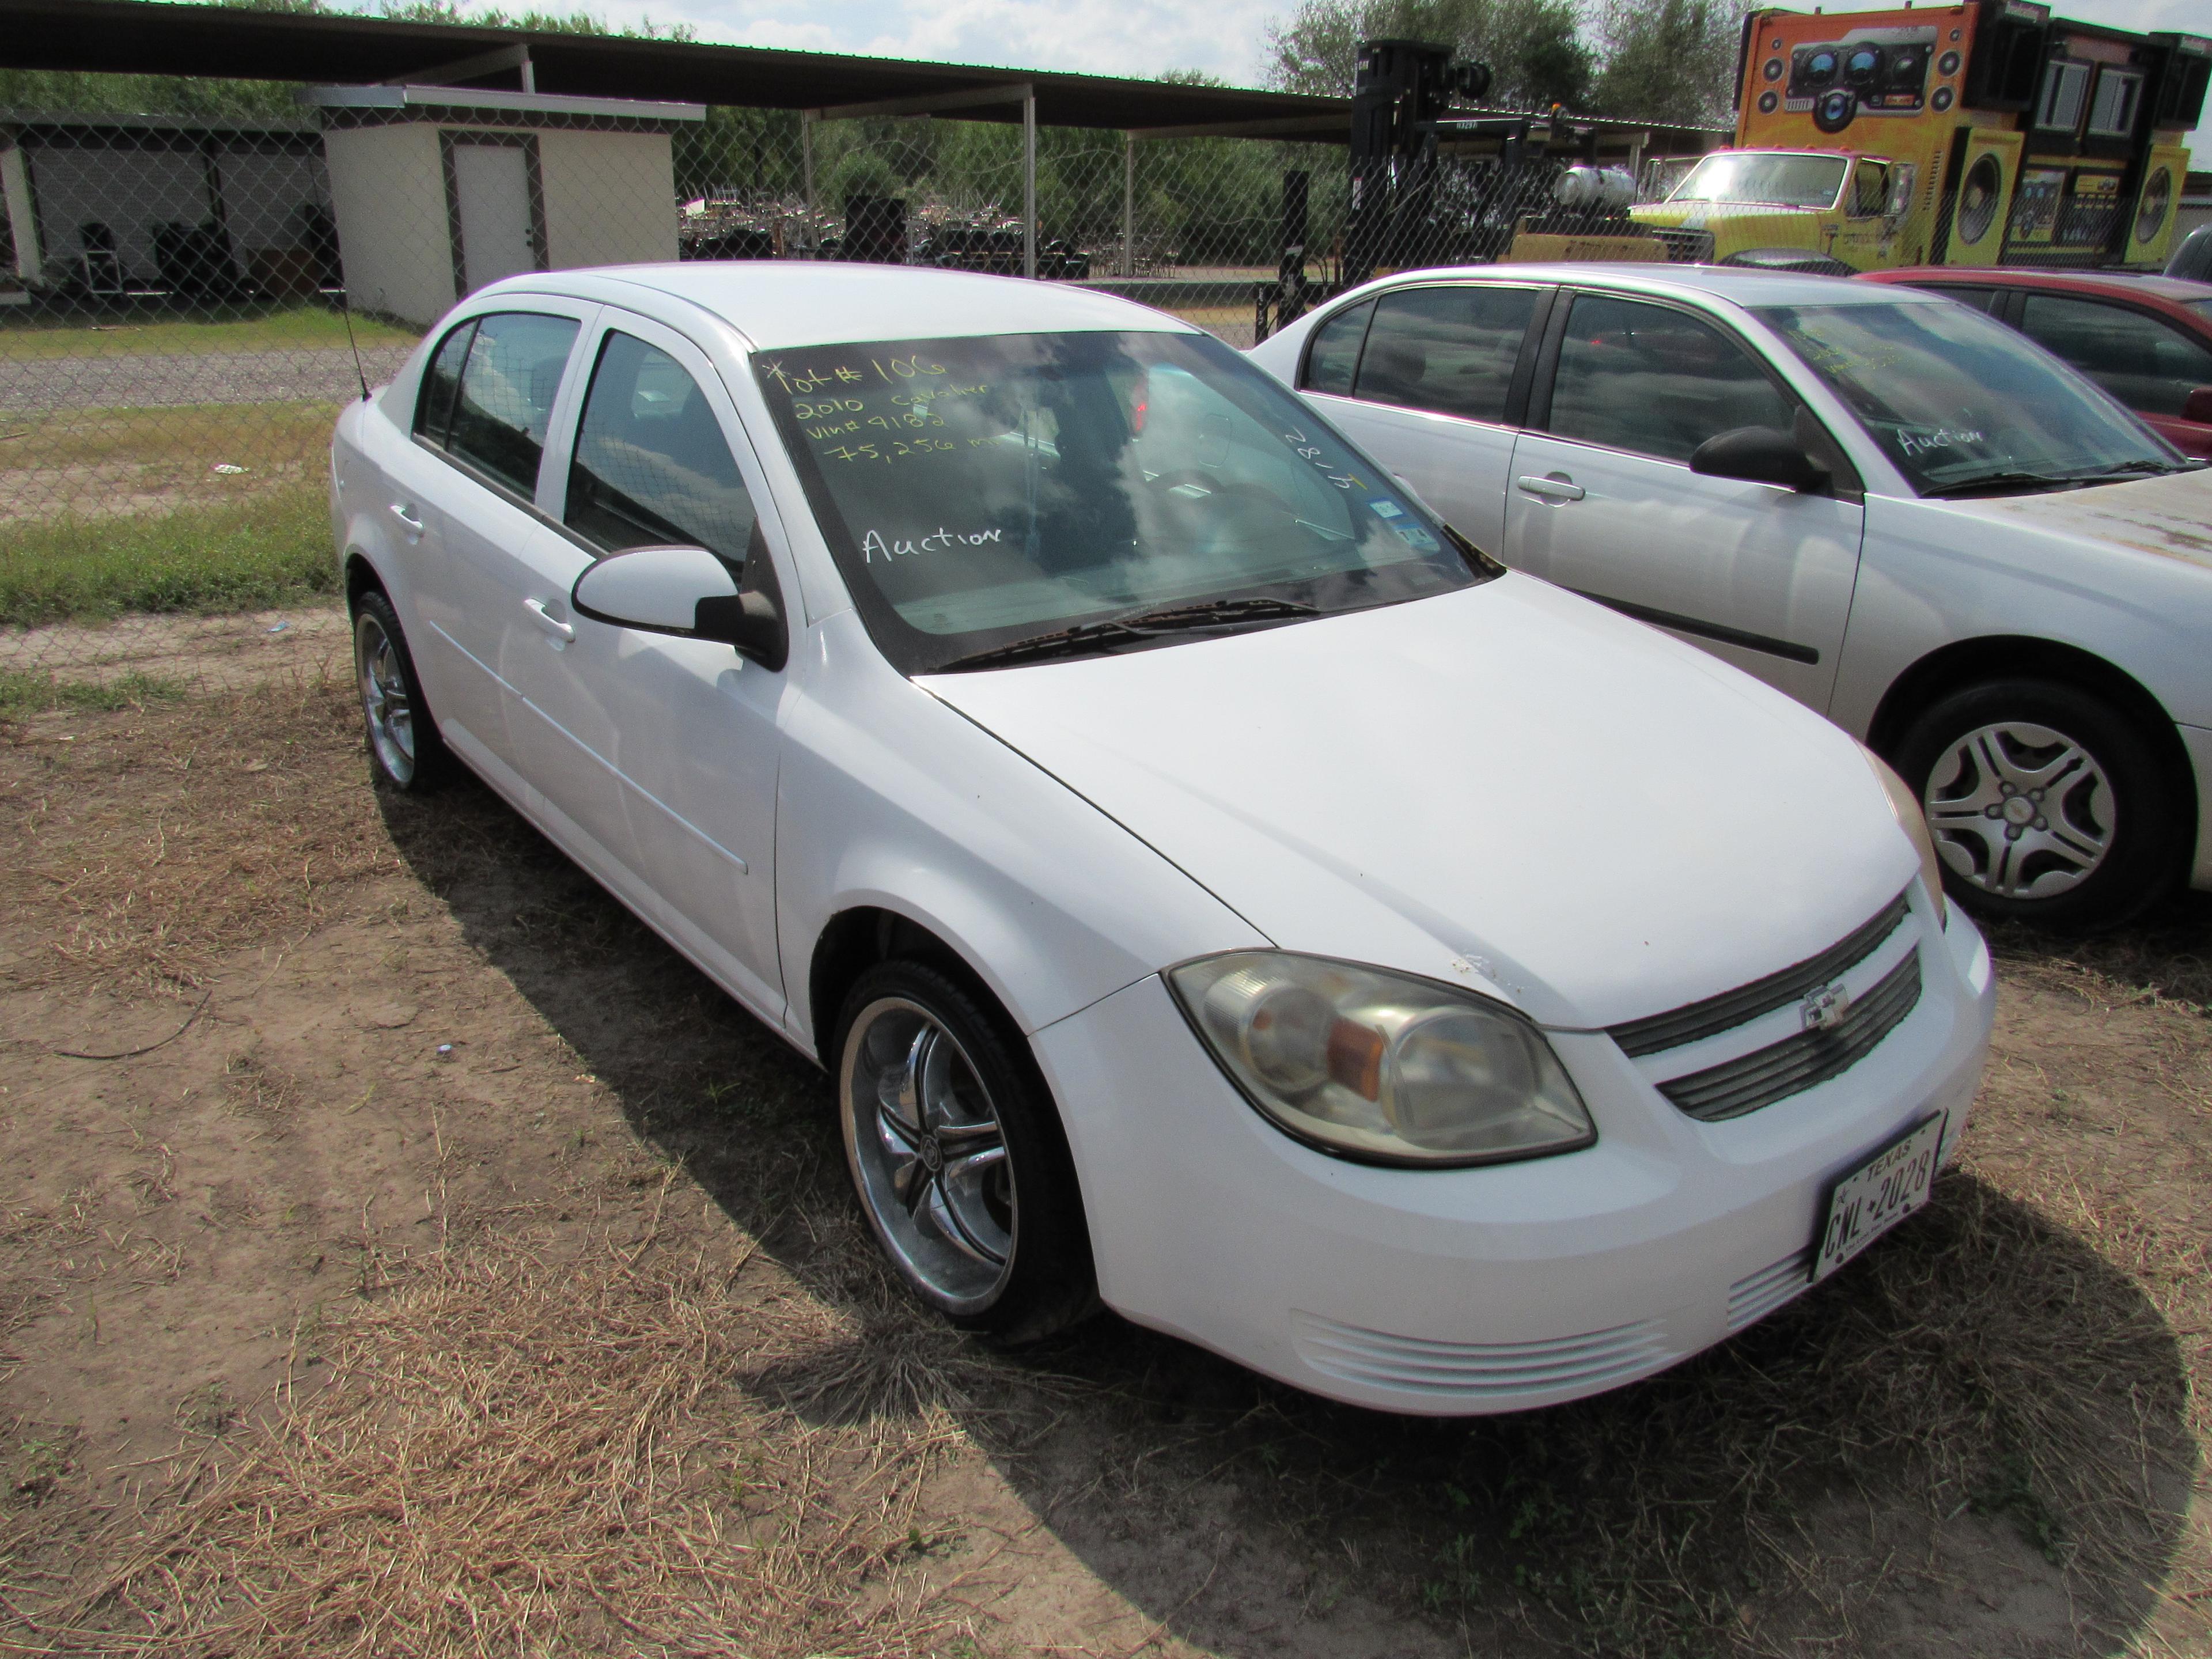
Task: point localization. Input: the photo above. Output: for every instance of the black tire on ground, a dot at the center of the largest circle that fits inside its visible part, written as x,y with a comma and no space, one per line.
406,752
1046,1281
2048,806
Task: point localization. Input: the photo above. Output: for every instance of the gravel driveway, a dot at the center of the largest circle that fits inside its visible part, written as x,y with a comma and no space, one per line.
38,386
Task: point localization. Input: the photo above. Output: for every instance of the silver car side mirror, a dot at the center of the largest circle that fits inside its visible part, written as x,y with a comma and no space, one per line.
687,593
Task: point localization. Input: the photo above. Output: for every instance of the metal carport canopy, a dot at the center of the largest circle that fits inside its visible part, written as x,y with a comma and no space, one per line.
134,37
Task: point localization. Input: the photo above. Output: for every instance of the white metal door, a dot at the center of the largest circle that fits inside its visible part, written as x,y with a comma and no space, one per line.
492,184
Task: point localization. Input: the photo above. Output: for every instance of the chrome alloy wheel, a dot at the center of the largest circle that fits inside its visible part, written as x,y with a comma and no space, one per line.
384,699
2020,811
928,1154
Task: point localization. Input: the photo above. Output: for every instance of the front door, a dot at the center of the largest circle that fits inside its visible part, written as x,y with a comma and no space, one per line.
491,193
664,749
1603,500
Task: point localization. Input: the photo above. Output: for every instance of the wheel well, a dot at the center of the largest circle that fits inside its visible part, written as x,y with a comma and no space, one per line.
1969,662
856,940
360,578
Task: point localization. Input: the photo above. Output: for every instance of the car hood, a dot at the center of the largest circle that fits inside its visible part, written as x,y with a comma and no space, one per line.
2171,516
1507,787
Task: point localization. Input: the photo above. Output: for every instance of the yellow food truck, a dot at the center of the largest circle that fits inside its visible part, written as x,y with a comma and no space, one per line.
1986,133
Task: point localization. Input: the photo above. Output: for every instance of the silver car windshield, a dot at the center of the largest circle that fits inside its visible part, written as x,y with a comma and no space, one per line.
1959,402
1767,180
983,492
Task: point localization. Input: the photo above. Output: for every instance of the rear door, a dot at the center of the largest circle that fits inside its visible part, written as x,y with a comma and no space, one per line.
465,494
1431,379
1603,500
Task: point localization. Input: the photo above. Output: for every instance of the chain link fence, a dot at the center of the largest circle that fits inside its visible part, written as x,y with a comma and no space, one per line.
186,303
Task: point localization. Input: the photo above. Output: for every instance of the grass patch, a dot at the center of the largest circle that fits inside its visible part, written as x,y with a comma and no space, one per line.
252,555
23,693
197,436
298,327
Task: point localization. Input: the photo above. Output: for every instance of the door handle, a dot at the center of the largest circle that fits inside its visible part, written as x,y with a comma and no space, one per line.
408,521
546,620
1557,488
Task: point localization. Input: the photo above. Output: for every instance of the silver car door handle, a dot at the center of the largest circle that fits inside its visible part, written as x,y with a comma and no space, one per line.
546,620
1552,489
407,519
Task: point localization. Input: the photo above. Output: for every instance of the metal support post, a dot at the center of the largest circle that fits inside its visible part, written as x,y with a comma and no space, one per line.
1129,204
806,164
1029,184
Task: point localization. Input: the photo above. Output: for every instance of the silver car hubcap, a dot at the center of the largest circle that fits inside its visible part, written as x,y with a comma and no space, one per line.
385,701
928,1154
2020,811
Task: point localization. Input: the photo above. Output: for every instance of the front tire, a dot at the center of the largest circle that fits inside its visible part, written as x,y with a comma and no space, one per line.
958,1156
2047,805
406,752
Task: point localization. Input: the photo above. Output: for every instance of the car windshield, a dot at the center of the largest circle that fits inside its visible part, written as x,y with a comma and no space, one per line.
1957,401
983,491
2202,307
1797,181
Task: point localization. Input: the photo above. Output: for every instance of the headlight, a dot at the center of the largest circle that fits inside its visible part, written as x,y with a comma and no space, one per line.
1380,1067
1914,821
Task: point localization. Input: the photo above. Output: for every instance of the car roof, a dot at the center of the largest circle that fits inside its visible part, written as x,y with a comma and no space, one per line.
1743,285
2141,284
779,304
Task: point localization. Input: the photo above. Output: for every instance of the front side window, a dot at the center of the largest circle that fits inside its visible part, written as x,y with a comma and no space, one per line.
1655,380
1334,356
2147,364
1869,190
1450,349
651,467
1764,178
1980,298
505,401
1961,404
977,492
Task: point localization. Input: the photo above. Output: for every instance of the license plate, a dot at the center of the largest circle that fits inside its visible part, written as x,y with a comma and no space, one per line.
1882,1192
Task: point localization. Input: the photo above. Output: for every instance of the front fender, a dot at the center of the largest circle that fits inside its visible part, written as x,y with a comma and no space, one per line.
889,798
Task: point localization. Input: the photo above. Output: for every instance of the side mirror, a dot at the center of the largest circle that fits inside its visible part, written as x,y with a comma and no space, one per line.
2197,406
1760,454
686,592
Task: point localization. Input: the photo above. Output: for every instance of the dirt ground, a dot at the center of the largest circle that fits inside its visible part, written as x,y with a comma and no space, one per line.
403,1252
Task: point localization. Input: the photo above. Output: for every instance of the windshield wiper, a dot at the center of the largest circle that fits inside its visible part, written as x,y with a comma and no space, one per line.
1992,482
1086,637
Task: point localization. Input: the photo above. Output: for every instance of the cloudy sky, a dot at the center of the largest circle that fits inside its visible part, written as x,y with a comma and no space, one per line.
1116,37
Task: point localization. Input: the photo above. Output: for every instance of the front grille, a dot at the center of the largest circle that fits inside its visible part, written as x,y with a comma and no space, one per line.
1731,1009
1476,1371
1797,1063
1753,1297
1686,247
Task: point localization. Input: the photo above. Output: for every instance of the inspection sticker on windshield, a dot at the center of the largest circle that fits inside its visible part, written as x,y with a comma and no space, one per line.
1868,1201
1384,510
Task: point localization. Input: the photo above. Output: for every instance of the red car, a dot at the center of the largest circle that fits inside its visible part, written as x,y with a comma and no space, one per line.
2147,340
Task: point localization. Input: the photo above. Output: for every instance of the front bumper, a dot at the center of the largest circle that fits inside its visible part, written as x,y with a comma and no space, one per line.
1453,1292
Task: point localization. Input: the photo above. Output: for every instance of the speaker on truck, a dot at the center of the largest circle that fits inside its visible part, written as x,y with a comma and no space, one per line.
1977,194
2150,230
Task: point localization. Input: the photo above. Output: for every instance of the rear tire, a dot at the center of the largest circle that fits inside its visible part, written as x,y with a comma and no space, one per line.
2047,805
406,753
957,1155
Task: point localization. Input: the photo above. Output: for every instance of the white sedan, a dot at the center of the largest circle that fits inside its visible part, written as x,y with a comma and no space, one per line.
1898,511
1214,888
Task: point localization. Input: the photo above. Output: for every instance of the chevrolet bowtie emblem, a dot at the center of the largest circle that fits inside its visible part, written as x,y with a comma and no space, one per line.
1825,1006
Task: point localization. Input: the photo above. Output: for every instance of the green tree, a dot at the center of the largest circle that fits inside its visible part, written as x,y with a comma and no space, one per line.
1535,48
1669,60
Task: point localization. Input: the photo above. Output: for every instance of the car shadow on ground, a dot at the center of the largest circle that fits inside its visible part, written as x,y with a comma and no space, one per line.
1976,1436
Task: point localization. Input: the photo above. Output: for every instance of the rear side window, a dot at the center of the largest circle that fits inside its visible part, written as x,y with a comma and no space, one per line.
1655,380
1334,357
2148,365
509,379
652,464
1980,298
1449,349
434,409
